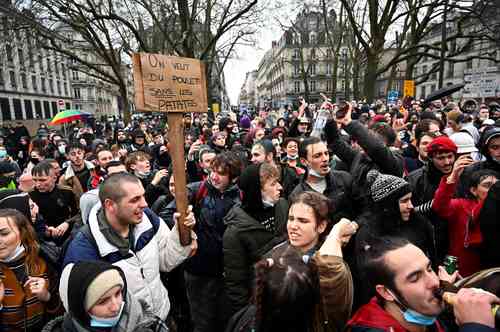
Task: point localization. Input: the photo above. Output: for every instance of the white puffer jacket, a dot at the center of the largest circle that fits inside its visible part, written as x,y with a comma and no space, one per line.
157,248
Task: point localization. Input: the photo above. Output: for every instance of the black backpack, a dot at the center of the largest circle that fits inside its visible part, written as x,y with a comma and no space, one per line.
54,255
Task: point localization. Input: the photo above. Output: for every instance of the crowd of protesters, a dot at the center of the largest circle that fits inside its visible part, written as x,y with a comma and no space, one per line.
325,217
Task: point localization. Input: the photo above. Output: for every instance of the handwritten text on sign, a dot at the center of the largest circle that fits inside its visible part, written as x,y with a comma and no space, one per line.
169,84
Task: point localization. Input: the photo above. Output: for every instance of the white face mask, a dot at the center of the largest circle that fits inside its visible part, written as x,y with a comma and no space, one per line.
314,173
267,203
15,254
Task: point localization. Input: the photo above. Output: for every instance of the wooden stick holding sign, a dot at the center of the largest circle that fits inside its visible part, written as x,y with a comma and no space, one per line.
173,85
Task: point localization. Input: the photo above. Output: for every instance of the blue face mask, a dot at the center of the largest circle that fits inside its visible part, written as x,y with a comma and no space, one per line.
414,317
3,154
411,316
106,322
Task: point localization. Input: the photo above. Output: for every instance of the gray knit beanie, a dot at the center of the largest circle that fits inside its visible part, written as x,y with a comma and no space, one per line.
385,186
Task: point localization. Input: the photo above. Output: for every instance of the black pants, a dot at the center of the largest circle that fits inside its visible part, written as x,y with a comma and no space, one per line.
207,302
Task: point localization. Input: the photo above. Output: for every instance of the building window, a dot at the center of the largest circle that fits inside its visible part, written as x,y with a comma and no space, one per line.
1,77
24,81
20,55
329,85
296,38
312,69
313,53
329,69
8,52
51,85
313,24
40,64
30,58
313,86
75,75
13,81
451,70
312,38
329,54
63,69
76,93
296,54
297,87
33,83
433,88
422,92
469,64
49,66
296,69
65,88
44,86
58,87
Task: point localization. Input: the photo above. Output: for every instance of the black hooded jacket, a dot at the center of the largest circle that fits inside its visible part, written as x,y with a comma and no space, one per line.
488,222
489,163
376,156
425,182
247,238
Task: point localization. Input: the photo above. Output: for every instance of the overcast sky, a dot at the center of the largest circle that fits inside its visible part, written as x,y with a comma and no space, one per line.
248,60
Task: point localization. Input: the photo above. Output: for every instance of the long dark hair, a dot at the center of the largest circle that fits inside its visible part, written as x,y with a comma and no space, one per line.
286,293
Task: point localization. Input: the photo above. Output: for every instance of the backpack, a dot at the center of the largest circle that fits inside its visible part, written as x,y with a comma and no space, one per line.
54,255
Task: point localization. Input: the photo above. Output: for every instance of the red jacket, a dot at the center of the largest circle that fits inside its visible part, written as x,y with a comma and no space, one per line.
463,228
372,316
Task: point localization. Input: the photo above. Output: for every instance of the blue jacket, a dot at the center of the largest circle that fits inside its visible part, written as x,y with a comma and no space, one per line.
210,208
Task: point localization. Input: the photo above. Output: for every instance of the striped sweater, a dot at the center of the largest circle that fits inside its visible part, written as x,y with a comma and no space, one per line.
22,311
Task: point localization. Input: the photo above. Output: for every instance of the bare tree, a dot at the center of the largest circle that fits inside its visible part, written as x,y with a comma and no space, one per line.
415,21
208,30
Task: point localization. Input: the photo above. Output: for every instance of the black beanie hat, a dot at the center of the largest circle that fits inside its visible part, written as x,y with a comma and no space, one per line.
81,276
386,187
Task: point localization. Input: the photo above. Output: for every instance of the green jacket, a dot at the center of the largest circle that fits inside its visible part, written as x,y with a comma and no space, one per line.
245,242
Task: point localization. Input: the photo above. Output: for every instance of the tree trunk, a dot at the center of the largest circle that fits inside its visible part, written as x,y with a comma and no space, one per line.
370,76
390,80
208,74
355,82
335,77
126,104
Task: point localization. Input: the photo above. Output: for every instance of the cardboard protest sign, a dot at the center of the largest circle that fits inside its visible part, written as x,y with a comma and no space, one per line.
169,84
174,85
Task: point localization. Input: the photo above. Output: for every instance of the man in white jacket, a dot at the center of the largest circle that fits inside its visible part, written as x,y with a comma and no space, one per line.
126,233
